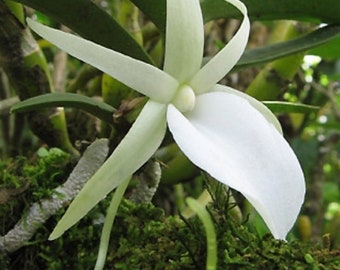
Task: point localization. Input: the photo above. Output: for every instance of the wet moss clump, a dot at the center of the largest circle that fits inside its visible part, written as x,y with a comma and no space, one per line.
143,236
24,181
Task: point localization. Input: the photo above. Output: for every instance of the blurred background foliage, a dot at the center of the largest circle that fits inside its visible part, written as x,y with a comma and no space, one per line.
292,60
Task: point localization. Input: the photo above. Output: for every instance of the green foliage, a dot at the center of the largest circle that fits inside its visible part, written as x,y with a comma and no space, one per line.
23,181
97,108
71,252
94,24
289,107
148,237
29,180
275,51
309,10
144,237
42,170
88,20
258,10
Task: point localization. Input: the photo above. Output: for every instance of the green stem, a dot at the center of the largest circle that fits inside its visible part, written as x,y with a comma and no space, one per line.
128,17
272,80
110,217
84,75
205,217
179,196
28,73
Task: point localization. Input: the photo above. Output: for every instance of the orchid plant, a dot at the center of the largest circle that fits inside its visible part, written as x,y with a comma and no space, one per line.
230,135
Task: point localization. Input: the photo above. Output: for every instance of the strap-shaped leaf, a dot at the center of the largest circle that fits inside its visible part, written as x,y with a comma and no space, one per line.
289,107
155,10
263,10
309,10
328,51
99,109
278,50
89,21
94,24
326,11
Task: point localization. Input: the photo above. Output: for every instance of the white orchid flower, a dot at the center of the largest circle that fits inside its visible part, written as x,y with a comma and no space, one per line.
230,135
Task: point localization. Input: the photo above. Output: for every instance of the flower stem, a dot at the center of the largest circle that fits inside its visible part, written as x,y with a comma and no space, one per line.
110,217
204,216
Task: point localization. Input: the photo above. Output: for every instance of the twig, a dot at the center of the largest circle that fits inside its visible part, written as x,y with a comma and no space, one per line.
330,93
39,212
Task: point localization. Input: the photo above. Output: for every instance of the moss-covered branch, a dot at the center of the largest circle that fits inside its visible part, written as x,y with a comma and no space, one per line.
39,212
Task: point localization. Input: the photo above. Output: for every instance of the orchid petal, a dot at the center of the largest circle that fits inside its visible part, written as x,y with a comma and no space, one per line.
225,59
271,118
136,74
143,139
184,39
231,140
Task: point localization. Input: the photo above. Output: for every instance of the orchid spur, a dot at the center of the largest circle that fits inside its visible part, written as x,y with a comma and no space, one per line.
230,135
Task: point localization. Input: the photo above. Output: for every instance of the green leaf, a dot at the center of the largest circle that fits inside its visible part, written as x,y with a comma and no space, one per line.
209,228
155,10
328,51
308,10
262,10
100,109
278,50
92,23
89,21
289,107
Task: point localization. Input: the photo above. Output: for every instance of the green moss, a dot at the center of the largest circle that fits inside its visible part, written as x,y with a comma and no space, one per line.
143,236
24,181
